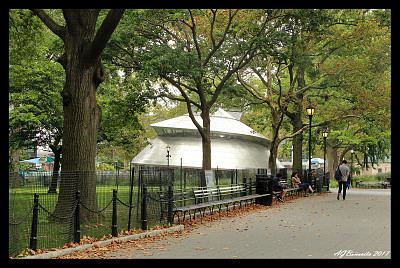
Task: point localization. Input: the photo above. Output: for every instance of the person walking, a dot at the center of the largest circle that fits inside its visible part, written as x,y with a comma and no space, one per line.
344,169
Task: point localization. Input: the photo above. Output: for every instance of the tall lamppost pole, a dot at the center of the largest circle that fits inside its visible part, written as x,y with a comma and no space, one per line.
310,112
351,167
325,135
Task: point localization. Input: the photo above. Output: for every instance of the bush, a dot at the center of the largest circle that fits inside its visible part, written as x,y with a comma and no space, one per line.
378,177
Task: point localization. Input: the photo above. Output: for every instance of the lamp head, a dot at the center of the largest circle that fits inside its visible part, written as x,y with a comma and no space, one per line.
325,133
310,110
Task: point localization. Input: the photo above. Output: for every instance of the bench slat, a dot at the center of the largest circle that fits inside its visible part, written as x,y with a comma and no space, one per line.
208,196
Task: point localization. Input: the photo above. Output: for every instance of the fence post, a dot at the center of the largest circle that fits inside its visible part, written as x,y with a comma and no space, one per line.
114,227
77,225
170,196
245,186
33,240
144,208
130,196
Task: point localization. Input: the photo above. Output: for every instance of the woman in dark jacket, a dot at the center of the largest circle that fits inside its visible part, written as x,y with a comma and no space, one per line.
279,187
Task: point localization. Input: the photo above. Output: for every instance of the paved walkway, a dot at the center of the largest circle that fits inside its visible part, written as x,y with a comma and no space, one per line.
313,227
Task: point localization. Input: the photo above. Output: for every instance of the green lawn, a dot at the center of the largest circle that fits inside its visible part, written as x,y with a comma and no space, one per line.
53,233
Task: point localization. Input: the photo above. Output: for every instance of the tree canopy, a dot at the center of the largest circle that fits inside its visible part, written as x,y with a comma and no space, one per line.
270,63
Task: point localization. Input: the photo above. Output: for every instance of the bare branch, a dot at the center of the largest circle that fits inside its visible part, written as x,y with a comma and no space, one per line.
319,124
50,23
196,43
103,34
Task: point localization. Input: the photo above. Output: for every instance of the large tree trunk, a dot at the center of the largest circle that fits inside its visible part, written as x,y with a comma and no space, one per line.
273,154
206,140
297,123
332,156
82,115
297,143
277,117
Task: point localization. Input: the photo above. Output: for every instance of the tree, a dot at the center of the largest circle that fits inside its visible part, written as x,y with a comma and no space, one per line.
24,29
36,114
81,60
283,78
328,60
359,85
120,127
196,52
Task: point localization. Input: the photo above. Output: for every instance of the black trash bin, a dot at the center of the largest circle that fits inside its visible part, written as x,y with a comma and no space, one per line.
264,184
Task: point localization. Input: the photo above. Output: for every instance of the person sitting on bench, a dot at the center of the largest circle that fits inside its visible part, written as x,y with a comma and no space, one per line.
279,187
296,183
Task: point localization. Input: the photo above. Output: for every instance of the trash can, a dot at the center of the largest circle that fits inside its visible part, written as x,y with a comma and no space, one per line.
264,185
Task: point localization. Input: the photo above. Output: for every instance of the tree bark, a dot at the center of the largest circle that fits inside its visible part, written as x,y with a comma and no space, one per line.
277,117
56,168
84,73
297,142
206,140
297,123
82,114
332,155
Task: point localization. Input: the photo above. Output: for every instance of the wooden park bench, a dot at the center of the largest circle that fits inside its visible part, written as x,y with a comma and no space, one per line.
290,190
177,201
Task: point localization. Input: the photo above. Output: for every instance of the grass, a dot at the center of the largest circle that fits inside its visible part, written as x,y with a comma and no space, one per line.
53,234
366,178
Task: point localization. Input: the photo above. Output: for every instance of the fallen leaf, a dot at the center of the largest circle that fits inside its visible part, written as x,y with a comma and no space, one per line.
225,248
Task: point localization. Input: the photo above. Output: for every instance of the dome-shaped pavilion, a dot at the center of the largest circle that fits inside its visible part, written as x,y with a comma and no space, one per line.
234,145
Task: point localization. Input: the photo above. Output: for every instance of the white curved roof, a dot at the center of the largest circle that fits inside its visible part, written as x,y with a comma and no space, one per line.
222,125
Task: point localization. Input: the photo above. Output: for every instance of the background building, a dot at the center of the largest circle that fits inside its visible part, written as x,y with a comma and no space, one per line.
234,145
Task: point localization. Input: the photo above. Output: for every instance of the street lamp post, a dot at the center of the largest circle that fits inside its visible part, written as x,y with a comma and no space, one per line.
325,135
168,155
351,167
310,112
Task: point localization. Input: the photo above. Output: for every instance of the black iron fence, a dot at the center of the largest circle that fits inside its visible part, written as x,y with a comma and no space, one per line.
47,210
42,216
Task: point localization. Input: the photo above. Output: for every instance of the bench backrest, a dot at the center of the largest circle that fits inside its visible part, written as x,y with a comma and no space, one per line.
213,193
232,191
205,194
197,195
